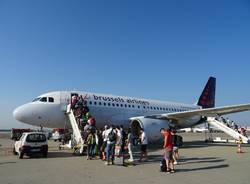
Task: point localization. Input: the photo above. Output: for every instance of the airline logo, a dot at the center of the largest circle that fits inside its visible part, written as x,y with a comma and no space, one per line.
121,100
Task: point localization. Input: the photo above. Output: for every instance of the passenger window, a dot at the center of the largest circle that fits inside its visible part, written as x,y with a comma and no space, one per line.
109,104
51,99
139,107
129,106
113,104
100,103
133,106
117,105
95,103
104,104
125,105
43,99
121,105
90,103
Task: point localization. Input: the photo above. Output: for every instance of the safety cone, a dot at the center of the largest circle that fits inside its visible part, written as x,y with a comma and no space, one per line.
239,147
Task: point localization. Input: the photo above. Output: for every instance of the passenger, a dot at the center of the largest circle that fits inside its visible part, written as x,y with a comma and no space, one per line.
73,101
144,144
118,143
175,148
88,115
243,131
124,138
78,115
84,118
92,126
80,102
100,143
168,149
228,122
236,127
91,121
111,145
85,108
105,139
232,124
96,152
91,142
86,127
130,146
224,120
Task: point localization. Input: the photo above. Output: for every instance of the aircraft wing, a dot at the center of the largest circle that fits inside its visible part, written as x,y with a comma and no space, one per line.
210,112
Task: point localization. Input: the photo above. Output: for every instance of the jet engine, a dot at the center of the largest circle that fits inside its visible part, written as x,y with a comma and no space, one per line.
151,126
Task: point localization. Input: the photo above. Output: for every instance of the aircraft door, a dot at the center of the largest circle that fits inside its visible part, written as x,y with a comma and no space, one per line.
65,99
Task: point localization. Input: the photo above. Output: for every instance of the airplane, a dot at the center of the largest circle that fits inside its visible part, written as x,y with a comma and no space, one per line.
49,110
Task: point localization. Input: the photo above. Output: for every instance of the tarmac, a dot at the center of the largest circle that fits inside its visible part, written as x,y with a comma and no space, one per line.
200,162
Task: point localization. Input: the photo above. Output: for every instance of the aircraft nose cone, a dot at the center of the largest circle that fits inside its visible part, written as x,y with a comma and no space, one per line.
18,114
22,113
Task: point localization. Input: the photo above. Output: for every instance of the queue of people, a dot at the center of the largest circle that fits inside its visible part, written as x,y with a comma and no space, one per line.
233,125
112,142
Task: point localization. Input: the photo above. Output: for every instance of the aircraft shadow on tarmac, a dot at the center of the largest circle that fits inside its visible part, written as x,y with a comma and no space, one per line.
214,163
203,168
202,144
201,160
196,160
186,160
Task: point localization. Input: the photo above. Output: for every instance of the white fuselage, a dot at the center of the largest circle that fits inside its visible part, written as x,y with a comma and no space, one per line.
48,110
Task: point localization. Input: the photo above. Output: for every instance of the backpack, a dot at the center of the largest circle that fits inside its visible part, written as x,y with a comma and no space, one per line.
179,141
91,139
163,165
112,136
124,136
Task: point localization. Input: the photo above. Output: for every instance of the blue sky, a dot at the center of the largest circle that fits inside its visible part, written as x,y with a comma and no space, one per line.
153,49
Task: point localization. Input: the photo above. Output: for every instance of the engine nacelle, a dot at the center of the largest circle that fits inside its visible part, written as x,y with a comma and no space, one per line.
151,126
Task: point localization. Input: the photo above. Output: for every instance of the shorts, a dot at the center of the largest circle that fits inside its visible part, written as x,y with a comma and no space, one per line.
168,155
144,148
175,149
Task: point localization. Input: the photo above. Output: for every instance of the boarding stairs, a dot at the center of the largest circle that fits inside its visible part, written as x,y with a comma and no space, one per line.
231,132
77,137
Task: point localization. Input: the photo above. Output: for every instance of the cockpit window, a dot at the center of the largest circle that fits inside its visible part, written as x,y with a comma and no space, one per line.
51,99
43,99
36,99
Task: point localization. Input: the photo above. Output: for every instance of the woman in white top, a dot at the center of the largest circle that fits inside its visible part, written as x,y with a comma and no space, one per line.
130,146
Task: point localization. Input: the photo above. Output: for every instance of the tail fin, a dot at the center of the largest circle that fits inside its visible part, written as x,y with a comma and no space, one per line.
207,98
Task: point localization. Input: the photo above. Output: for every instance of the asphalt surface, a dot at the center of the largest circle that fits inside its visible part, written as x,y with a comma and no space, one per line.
200,163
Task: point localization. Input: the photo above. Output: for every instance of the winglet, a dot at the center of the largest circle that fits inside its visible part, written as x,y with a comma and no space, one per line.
207,98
